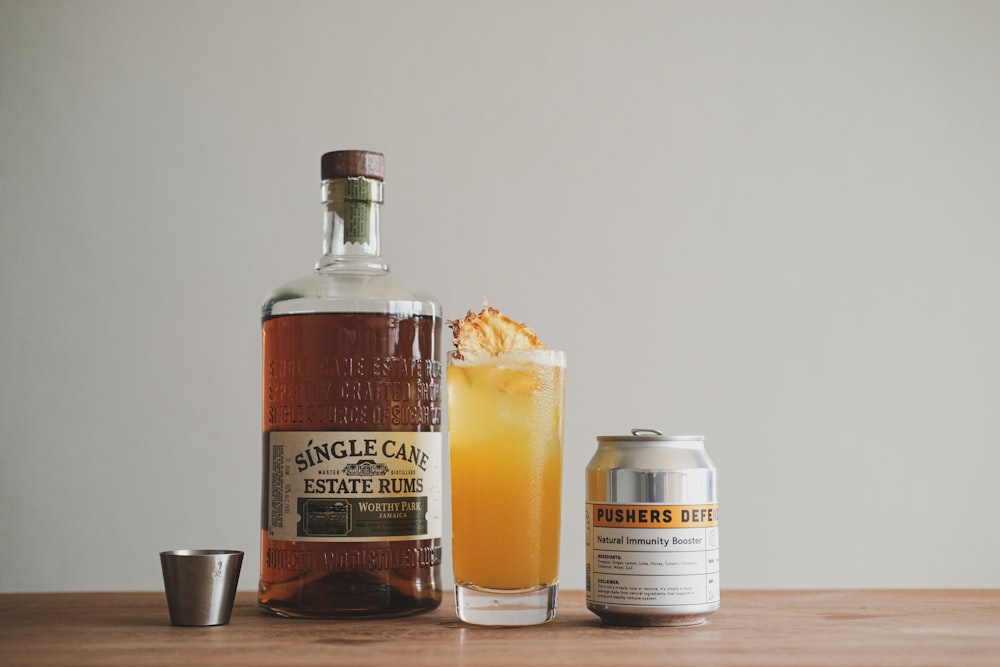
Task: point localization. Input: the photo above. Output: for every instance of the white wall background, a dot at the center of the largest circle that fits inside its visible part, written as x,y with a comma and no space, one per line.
774,223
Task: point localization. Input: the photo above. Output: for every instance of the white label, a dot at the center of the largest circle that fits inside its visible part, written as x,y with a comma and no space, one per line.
652,555
366,486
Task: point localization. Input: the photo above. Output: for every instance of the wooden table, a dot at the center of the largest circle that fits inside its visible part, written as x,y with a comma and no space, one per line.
753,628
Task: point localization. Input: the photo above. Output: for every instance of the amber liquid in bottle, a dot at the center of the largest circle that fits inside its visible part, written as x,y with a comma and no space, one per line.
334,372
351,502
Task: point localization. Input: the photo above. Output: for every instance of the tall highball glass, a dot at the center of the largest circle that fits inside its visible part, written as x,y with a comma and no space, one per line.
505,425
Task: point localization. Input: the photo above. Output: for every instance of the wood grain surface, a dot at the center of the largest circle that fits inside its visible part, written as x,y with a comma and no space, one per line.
858,628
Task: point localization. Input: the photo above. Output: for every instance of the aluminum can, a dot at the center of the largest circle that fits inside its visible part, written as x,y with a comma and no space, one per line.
652,530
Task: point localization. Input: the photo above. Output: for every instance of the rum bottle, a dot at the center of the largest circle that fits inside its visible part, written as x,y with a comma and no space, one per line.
351,498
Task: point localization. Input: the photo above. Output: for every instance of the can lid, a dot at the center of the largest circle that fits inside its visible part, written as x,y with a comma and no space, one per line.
347,164
650,435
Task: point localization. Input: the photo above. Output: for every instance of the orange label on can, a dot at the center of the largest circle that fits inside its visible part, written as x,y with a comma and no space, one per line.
656,516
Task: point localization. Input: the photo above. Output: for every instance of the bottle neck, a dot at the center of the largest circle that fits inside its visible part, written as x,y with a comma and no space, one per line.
351,226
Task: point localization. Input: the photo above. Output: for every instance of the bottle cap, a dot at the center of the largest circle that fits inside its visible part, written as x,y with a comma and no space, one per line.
347,164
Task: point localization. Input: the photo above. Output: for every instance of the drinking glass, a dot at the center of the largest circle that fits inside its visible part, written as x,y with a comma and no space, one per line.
505,426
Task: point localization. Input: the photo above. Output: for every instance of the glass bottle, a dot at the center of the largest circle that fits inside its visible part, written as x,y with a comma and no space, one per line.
351,502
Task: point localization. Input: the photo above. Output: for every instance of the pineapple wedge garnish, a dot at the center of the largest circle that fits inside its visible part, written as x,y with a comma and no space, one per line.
490,333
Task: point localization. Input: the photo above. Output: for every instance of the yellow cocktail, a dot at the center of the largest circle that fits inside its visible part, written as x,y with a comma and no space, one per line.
505,424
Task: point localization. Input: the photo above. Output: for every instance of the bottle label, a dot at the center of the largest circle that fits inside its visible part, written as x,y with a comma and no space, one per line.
361,189
329,486
357,221
650,555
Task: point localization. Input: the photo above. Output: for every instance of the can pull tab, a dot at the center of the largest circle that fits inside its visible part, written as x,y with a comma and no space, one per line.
646,431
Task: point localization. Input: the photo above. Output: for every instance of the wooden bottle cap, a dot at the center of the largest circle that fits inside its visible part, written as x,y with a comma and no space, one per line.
345,164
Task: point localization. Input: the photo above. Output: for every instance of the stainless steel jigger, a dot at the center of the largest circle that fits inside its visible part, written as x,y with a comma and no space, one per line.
201,584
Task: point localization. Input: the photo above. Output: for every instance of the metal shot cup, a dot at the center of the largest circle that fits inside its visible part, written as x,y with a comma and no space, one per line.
201,584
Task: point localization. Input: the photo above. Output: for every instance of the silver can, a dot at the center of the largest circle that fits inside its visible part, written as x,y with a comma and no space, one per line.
652,530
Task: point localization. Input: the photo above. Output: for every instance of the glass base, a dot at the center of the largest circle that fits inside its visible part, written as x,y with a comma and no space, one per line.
484,606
